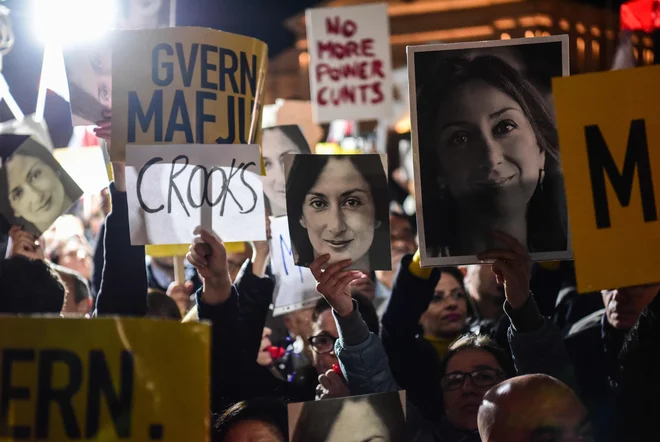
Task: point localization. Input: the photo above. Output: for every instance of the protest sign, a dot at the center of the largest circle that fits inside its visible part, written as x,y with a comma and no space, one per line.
105,379
609,129
185,85
350,62
140,14
470,178
295,287
286,112
351,419
85,165
34,188
172,189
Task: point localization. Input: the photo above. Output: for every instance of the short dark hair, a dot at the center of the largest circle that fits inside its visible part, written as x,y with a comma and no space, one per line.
365,306
159,305
267,410
80,286
473,341
29,287
303,174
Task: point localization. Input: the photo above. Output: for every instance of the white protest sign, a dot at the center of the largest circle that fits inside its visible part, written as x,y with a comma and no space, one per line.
350,62
174,188
295,287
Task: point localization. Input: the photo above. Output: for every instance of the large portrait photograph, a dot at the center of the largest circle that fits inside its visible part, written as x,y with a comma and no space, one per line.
486,148
339,205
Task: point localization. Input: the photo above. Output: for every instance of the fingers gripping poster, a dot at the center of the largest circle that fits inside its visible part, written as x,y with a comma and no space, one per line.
107,379
184,86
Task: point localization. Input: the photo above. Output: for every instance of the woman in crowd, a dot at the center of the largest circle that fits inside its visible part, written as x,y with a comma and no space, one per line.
339,205
276,143
489,160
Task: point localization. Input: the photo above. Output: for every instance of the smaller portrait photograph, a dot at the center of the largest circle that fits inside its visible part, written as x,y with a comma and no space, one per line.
376,417
34,189
486,148
339,205
146,14
276,143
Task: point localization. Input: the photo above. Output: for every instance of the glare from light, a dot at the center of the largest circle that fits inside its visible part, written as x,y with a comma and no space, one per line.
65,22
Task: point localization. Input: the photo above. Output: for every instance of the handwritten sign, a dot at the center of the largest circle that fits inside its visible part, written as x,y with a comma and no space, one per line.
105,379
351,68
185,85
295,287
609,130
173,189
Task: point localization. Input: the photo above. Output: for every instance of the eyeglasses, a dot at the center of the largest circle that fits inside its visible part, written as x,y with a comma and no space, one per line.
484,377
322,343
454,295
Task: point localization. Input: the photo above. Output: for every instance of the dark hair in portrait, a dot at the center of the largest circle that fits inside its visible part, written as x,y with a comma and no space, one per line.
293,133
30,148
271,412
318,418
301,178
437,75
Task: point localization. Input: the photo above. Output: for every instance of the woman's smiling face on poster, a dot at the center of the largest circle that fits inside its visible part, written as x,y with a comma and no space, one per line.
339,213
35,192
275,146
487,149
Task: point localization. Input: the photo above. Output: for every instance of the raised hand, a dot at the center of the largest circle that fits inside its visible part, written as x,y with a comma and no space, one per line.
333,283
331,386
512,268
209,256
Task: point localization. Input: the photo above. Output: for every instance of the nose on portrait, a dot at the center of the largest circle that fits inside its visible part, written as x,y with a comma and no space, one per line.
490,153
336,222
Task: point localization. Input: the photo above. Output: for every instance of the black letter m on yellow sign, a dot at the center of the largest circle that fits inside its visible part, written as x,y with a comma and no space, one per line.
601,162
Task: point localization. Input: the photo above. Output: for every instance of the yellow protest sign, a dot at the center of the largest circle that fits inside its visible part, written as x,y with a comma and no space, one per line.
185,85
167,250
103,379
609,131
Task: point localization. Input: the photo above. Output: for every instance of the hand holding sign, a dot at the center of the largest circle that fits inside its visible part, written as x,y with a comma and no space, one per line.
331,386
333,283
207,253
512,268
25,244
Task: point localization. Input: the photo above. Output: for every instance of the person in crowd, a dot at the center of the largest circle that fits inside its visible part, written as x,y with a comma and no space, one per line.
159,305
30,286
594,344
78,301
73,253
366,418
491,160
276,143
535,343
485,294
255,420
36,188
339,205
533,408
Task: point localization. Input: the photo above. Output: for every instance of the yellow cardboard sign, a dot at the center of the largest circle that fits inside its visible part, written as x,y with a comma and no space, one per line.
167,250
609,132
185,85
103,379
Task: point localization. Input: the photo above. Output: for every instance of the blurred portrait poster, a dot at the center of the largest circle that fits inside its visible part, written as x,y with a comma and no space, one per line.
295,287
351,419
34,188
486,148
184,86
350,69
173,189
146,14
612,172
339,205
297,112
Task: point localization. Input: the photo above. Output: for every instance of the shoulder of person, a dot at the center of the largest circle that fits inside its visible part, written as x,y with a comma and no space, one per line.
589,322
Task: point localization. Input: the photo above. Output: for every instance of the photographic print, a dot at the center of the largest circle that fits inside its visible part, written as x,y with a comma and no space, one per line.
486,149
276,143
375,417
146,14
339,205
34,189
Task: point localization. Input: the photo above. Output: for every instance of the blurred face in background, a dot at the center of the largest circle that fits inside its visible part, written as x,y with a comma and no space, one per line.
402,240
447,312
480,282
275,145
325,334
623,306
74,256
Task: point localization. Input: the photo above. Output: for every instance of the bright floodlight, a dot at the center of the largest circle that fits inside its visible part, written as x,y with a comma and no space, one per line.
70,21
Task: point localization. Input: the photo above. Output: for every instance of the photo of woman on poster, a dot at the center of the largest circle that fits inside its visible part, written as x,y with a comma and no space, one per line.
276,143
339,205
487,149
146,14
34,188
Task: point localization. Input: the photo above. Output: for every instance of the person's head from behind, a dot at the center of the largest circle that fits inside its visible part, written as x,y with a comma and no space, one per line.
366,418
472,366
159,305
29,287
447,312
624,305
533,408
325,333
494,142
338,205
276,143
256,420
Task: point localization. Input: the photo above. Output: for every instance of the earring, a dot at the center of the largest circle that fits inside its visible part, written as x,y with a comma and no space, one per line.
541,178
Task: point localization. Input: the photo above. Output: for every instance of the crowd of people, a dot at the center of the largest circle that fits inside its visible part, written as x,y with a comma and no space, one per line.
507,351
